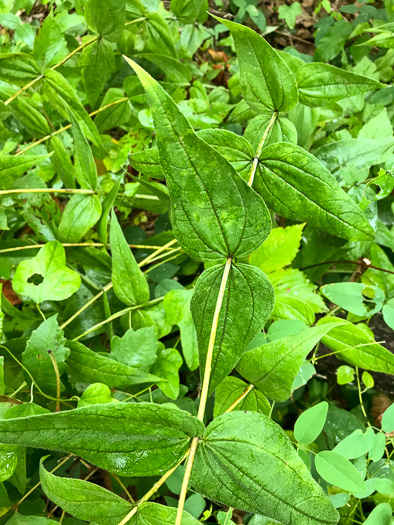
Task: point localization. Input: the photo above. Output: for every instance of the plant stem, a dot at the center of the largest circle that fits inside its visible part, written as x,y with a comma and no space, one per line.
240,398
47,190
360,396
24,88
260,148
83,245
58,383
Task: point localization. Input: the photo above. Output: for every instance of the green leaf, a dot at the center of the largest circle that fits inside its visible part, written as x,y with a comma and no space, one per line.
102,230
213,211
187,11
18,68
247,305
388,313
167,366
30,117
90,367
47,337
84,500
59,282
19,519
98,63
266,81
85,167
155,514
381,515
80,215
273,367
289,13
247,461
65,100
61,161
338,471
282,131
50,45
231,389
356,444
309,425
175,71
8,461
279,249
355,345
136,348
131,439
377,450
176,304
114,115
95,394
321,84
388,419
351,297
12,167
312,193
106,17
147,162
130,285
345,374
368,380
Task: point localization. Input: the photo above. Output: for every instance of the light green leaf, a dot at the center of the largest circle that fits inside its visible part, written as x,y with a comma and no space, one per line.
338,471
8,461
96,394
176,304
266,81
357,298
312,193
155,514
305,120
131,439
356,444
368,380
381,515
279,249
345,375
80,215
388,313
130,285
231,389
273,367
247,286
355,345
388,419
12,167
174,70
384,40
136,348
19,519
18,68
377,449
84,500
108,202
247,461
321,84
106,17
213,211
48,337
289,13
58,281
147,162
310,423
167,366
90,367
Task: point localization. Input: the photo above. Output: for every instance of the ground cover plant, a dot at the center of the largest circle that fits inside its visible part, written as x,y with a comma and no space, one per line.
196,258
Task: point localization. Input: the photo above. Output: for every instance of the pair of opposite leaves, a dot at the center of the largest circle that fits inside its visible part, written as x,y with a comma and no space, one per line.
217,215
244,459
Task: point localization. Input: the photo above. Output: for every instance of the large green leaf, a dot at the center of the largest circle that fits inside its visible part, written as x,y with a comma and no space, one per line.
98,62
297,186
155,514
355,345
320,84
85,167
266,81
12,167
80,215
49,265
247,305
132,439
18,68
47,337
90,367
273,367
84,500
61,161
136,348
338,471
247,461
214,213
129,282
31,118
106,17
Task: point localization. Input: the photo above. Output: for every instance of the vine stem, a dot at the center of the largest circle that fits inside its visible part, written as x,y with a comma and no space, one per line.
58,383
47,190
82,245
212,338
35,80
240,398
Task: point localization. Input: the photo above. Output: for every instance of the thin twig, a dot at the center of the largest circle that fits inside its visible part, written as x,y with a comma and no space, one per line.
58,383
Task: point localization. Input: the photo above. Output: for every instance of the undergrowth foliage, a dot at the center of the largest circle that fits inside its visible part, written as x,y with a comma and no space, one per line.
92,363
